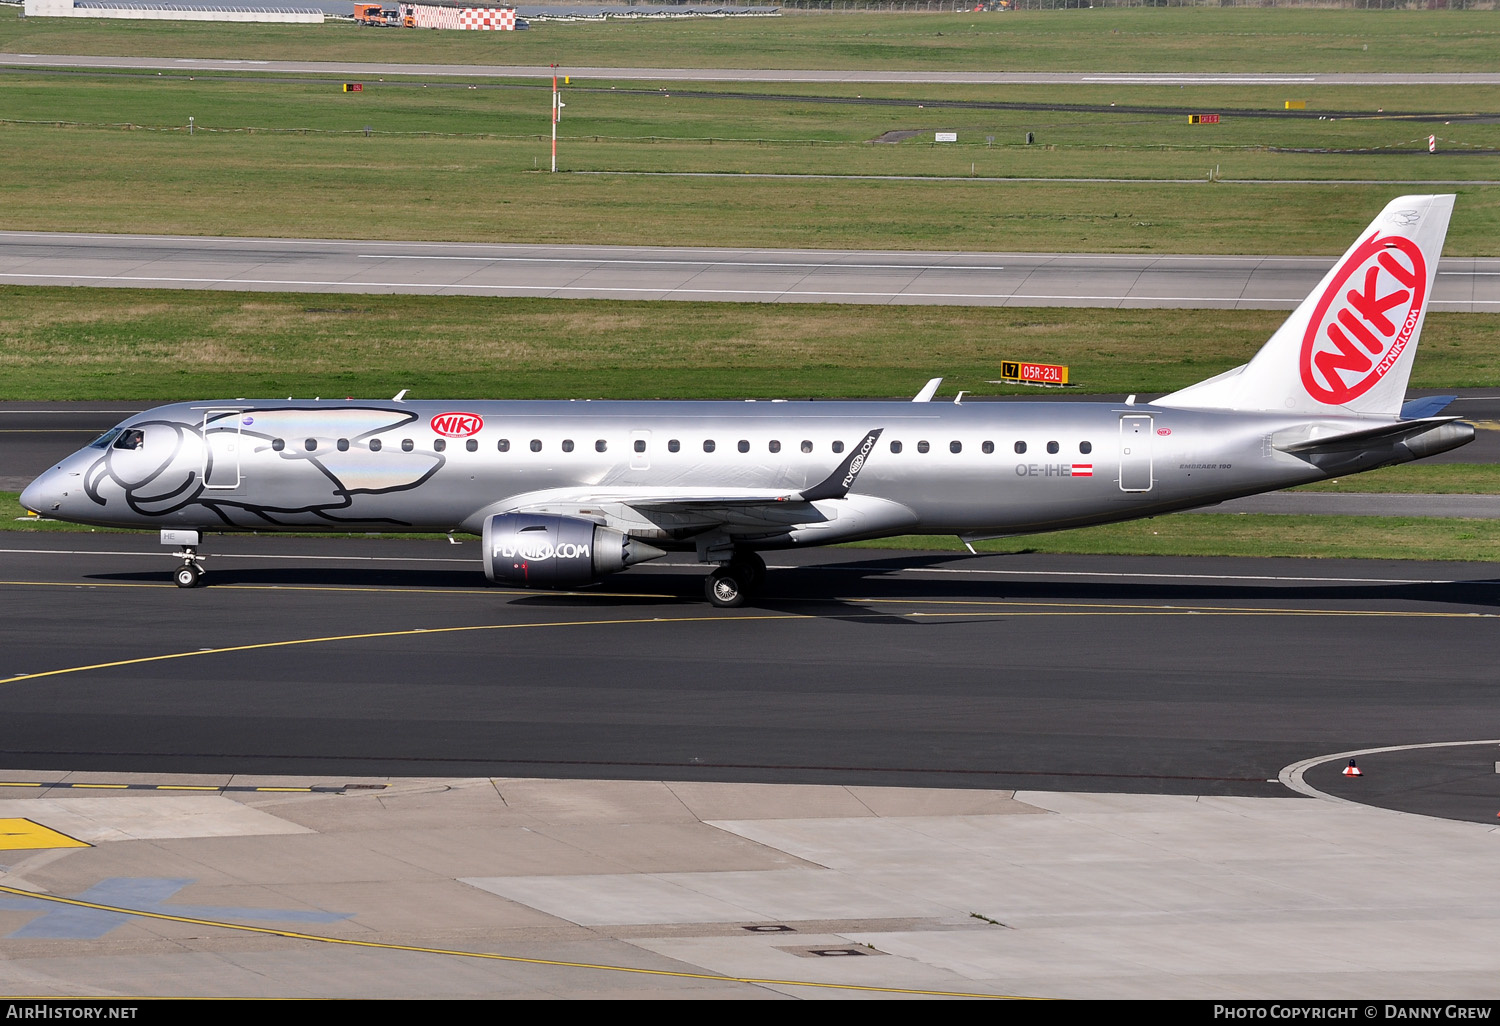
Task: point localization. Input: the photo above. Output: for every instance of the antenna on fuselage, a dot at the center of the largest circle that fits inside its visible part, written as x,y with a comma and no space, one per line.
400,397
928,391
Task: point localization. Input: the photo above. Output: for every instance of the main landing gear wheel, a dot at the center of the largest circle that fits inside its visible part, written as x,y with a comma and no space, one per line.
735,581
726,587
188,575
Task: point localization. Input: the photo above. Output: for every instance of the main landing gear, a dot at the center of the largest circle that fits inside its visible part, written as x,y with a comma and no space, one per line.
735,581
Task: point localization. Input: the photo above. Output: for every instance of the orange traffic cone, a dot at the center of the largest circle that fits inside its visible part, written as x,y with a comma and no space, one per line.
1352,770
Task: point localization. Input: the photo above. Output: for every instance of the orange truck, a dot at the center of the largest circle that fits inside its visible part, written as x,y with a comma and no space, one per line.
375,14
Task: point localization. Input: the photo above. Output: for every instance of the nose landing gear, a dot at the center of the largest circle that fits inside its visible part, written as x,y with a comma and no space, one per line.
190,573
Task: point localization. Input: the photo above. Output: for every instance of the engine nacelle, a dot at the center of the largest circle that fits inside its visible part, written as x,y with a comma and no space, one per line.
536,550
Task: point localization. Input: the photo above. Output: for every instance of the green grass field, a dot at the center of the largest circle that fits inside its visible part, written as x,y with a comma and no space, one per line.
1171,39
142,344
289,158
457,160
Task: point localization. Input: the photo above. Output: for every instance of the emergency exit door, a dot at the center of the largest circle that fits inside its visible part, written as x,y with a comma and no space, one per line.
221,448
1136,432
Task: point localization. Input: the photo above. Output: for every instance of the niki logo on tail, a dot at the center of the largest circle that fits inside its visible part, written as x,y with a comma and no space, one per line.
1362,332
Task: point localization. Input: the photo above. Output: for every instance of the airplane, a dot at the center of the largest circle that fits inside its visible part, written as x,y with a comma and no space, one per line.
566,492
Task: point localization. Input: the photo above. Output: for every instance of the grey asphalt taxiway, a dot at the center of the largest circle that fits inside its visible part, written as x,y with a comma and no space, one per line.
347,768
1464,284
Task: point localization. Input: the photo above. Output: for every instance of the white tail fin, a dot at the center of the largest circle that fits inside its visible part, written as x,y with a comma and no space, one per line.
1349,347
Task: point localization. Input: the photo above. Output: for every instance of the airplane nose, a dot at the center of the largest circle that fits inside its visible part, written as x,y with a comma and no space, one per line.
44,495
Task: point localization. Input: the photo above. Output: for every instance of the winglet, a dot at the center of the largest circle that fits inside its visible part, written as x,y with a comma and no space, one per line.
837,484
928,391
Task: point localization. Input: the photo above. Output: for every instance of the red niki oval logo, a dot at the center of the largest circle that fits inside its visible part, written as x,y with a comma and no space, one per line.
1364,319
457,425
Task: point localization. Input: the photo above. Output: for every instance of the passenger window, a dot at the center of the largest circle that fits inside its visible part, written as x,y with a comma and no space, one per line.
987,448
407,445
955,447
838,446
439,444
567,445
536,445
1020,448
1052,448
375,445
806,446
503,445
674,445
775,446
640,445
922,446
708,445
744,446
312,445
343,445
1085,447
601,445
895,447
472,445
278,444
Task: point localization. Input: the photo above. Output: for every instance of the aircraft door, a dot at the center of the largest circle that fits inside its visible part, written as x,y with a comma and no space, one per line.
640,450
1136,432
221,448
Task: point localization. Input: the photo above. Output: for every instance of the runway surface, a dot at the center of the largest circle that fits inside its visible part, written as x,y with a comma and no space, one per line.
390,657
755,74
698,274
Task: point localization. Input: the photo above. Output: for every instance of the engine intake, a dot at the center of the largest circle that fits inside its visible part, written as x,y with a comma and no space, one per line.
535,550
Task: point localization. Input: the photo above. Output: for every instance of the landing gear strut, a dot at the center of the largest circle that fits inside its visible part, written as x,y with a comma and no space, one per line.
731,584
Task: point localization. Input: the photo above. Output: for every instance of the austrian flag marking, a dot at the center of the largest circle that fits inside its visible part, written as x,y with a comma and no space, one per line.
1364,319
457,425
1083,470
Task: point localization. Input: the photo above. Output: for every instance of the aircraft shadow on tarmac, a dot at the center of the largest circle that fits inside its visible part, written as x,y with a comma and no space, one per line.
838,590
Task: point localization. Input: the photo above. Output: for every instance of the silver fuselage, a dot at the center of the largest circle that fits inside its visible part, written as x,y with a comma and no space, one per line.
936,468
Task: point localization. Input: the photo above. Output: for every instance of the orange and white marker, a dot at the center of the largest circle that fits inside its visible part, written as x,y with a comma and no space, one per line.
1352,770
1432,144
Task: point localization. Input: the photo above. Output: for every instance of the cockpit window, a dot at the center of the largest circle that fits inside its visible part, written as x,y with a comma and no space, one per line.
102,442
132,438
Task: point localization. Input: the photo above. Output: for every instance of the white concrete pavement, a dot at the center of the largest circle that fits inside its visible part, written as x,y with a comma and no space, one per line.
543,888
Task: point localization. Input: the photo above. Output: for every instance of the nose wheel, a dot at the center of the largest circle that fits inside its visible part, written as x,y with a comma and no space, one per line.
190,573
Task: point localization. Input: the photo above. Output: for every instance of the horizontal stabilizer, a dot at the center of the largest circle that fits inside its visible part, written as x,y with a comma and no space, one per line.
1424,437
1427,406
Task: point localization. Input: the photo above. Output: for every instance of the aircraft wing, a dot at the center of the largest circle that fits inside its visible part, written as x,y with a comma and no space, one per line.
687,509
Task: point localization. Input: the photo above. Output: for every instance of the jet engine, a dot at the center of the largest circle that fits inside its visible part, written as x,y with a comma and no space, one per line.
535,550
